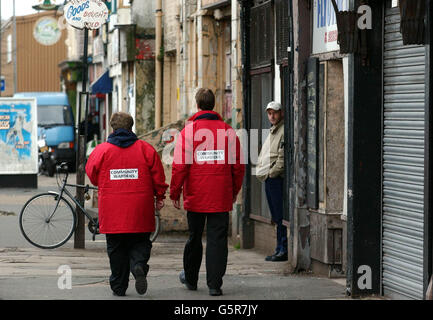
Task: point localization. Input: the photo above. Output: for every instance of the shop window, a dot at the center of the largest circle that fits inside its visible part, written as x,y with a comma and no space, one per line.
261,35
112,6
282,30
261,94
9,48
262,88
326,139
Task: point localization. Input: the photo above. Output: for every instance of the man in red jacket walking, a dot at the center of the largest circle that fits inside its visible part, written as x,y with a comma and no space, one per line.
130,179
208,166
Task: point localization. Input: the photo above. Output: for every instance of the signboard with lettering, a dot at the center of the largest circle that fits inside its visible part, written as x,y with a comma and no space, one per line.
325,32
18,136
47,31
91,14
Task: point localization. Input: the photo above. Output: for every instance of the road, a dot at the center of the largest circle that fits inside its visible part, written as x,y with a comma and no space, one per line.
11,202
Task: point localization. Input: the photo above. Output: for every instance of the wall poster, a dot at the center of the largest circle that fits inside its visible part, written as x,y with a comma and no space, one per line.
18,136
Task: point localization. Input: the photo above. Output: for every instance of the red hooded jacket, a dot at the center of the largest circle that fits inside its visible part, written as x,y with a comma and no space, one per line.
207,164
128,179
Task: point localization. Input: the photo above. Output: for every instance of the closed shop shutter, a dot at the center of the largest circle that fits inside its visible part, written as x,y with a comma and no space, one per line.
403,164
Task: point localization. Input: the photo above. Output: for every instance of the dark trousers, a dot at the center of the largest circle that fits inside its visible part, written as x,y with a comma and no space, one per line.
216,247
125,251
274,195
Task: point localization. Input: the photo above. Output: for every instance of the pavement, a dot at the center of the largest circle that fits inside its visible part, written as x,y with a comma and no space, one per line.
38,274
65,273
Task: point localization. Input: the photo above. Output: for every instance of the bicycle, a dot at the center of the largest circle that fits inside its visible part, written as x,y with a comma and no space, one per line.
48,220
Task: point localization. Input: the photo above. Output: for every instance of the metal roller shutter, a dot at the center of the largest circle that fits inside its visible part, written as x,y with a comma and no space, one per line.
403,164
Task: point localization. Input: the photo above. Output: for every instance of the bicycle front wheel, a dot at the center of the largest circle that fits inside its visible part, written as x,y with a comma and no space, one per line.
42,228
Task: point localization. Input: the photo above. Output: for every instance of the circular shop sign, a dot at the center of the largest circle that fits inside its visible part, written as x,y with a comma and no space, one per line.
91,14
47,31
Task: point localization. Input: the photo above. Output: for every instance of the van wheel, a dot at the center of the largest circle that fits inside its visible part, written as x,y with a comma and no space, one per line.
51,168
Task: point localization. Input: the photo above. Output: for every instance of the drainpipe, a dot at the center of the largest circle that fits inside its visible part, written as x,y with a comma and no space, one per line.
158,64
14,43
184,59
199,45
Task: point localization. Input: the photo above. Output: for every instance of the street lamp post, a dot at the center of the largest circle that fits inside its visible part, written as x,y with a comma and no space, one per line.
90,16
79,234
98,9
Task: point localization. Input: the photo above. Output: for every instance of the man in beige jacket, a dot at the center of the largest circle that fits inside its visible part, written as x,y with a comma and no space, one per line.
270,169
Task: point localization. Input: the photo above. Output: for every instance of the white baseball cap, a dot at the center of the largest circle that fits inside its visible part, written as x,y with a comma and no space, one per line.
274,106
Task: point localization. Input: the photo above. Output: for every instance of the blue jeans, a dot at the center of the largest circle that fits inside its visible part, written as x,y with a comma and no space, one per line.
274,195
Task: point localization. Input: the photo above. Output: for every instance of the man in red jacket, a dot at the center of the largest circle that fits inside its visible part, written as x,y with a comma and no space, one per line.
208,166
130,179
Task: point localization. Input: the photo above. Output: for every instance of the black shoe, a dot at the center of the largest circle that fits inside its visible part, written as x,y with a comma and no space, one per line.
140,280
269,258
118,294
280,257
215,292
183,281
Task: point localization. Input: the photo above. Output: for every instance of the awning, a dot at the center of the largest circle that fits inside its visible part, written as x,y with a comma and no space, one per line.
104,84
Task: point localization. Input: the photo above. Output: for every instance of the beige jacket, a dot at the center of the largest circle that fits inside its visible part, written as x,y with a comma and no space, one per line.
270,163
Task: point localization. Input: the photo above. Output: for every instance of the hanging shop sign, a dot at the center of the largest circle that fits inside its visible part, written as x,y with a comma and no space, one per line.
325,31
47,31
91,14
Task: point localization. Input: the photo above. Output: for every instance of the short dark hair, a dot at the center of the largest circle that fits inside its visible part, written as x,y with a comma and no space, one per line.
121,120
205,99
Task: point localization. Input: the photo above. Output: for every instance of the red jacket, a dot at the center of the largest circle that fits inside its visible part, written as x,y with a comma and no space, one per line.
128,179
207,164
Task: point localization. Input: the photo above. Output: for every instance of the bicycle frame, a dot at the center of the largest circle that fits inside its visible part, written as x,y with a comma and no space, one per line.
63,190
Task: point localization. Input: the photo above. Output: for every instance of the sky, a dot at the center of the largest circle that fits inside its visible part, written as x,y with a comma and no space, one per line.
22,7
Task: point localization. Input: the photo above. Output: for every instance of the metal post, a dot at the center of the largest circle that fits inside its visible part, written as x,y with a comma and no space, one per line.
247,224
158,64
1,32
79,240
14,50
428,161
289,198
79,235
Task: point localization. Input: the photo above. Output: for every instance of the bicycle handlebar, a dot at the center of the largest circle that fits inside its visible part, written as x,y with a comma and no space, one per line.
64,167
82,186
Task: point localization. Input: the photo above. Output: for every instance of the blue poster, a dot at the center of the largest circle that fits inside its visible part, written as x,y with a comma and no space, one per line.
18,136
